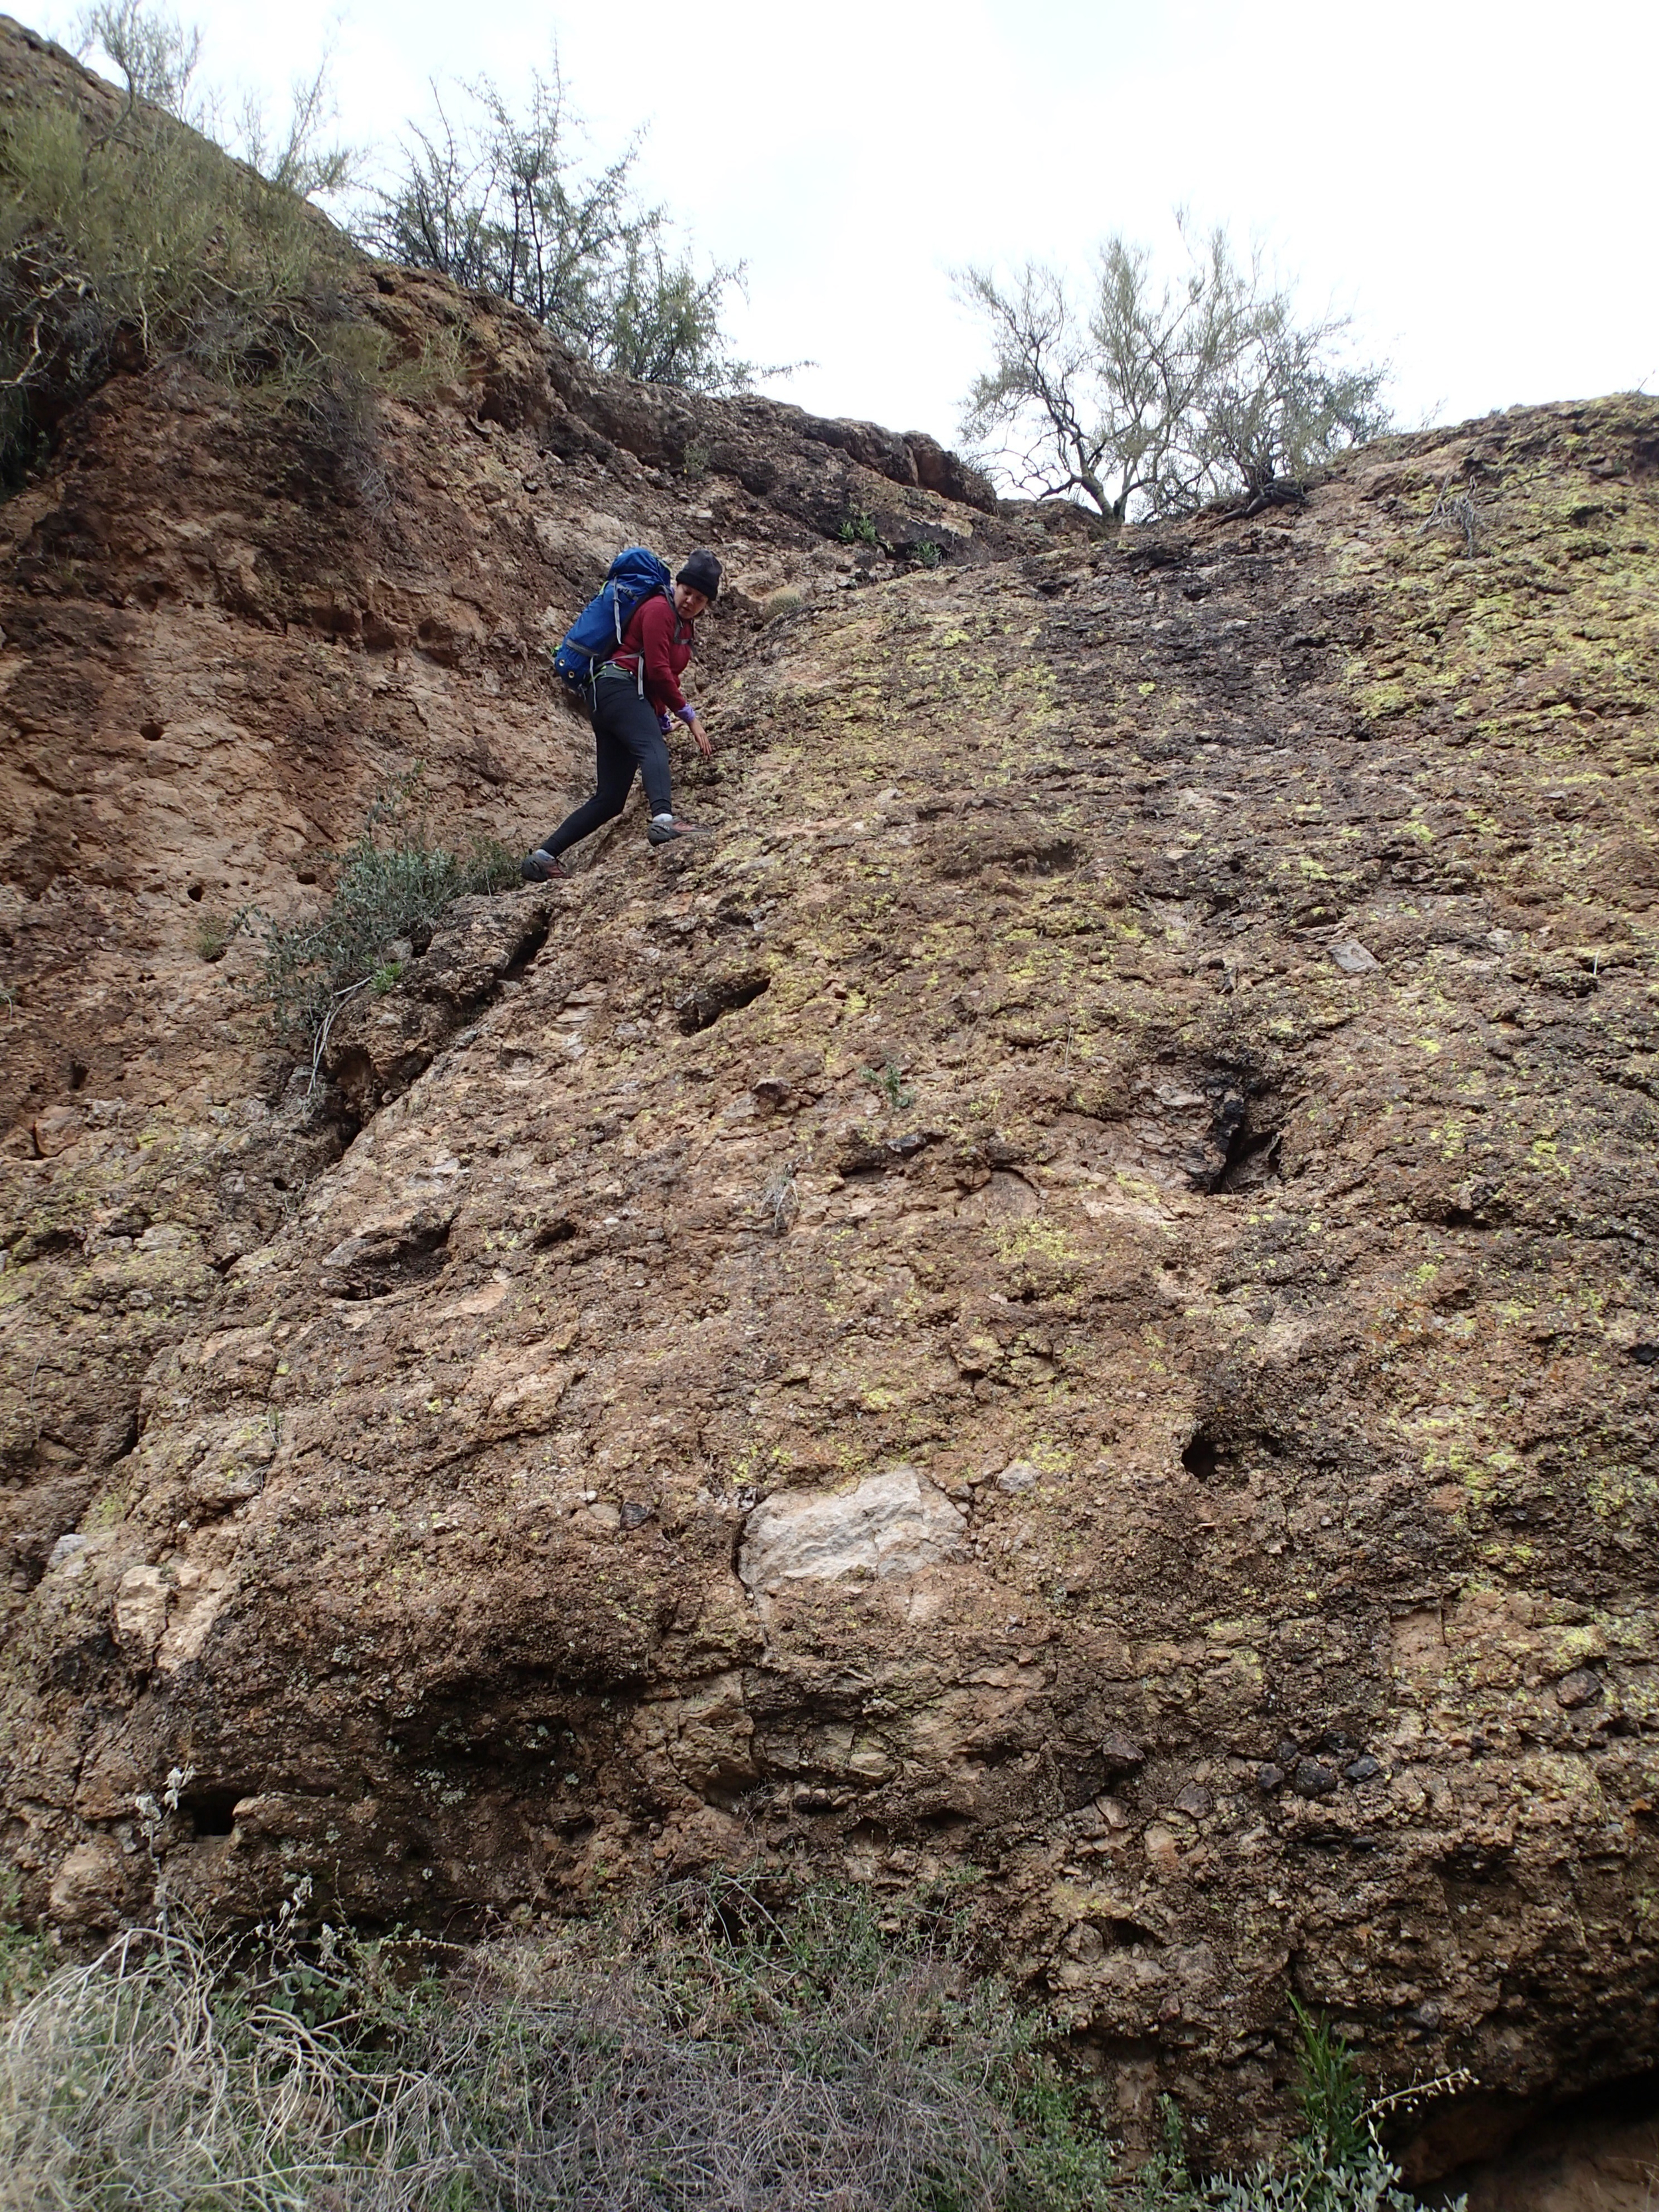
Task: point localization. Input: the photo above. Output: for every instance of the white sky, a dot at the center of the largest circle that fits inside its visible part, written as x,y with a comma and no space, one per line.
1476,182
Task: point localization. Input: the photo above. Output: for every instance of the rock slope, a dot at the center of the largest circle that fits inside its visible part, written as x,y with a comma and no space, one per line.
1069,1297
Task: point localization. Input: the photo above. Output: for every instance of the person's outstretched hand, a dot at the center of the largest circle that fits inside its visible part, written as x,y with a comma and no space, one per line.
702,737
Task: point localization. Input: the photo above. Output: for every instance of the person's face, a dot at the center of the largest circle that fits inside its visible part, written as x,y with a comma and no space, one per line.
688,603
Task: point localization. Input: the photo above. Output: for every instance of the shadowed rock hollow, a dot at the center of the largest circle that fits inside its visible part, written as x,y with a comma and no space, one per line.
1070,1297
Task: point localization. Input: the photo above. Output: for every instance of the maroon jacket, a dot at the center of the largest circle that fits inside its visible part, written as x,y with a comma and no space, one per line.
656,631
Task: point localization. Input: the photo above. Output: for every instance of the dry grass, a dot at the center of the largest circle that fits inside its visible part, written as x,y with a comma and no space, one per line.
744,2046
709,2053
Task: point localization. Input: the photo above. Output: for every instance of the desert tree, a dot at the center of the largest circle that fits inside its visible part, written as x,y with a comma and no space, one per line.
1156,396
158,57
496,198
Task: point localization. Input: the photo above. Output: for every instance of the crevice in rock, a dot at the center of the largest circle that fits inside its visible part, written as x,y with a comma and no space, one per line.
1218,1454
1237,1148
372,1265
1598,2150
1200,1458
46,1244
529,945
1251,1158
212,1812
721,994
118,1438
369,1063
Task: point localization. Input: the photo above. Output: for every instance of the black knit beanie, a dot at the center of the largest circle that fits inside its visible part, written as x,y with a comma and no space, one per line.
701,572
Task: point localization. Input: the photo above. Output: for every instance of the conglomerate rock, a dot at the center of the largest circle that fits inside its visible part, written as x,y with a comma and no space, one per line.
1069,1297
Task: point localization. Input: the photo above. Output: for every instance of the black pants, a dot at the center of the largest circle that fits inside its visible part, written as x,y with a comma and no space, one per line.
627,740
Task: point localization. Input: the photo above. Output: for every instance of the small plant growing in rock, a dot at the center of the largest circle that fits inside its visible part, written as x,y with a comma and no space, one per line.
1335,2165
26,1957
858,528
927,554
778,1197
1455,511
216,933
394,881
889,1080
1329,2091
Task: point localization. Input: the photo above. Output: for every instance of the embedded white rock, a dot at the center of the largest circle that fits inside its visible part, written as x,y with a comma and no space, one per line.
141,1611
895,1523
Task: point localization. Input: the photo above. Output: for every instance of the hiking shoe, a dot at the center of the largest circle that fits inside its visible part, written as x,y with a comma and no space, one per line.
539,867
664,833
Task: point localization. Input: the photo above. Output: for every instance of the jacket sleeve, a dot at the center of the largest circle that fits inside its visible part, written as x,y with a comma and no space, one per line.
656,634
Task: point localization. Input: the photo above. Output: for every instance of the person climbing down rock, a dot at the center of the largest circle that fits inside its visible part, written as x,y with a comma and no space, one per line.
632,701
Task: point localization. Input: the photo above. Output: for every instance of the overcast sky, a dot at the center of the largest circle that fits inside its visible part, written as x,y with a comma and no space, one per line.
1475,182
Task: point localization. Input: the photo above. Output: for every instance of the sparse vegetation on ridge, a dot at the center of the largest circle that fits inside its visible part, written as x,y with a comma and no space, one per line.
136,239
129,243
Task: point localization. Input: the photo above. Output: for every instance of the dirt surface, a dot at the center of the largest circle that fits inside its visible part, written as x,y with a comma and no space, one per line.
1068,1298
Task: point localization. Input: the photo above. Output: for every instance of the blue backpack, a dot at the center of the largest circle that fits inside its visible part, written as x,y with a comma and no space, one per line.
633,577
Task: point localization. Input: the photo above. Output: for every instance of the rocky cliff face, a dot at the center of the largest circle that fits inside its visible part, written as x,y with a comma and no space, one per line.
1070,1297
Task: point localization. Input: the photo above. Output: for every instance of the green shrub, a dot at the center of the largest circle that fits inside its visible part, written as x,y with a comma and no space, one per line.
213,934
858,527
394,881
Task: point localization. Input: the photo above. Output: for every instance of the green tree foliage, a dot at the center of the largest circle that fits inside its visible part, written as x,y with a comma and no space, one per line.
495,199
1156,397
